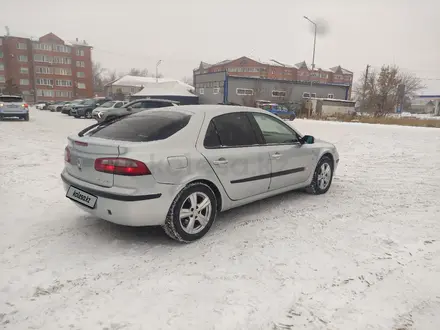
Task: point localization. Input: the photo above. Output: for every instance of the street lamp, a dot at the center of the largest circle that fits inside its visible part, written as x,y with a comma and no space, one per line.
157,70
314,41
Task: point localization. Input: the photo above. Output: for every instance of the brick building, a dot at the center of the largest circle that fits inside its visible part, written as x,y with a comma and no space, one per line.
300,72
47,69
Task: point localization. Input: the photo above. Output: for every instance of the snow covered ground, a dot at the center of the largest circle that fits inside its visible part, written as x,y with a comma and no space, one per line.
364,256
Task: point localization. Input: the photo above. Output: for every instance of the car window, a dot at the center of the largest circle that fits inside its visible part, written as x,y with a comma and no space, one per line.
274,131
235,130
136,105
107,104
10,99
212,140
118,104
149,126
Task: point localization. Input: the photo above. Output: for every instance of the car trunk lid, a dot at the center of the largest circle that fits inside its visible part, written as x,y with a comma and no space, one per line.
83,153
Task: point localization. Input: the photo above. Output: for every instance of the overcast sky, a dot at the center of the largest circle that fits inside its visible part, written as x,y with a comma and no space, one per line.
137,33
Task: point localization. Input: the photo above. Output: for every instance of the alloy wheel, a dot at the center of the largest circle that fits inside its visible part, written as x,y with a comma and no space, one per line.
195,213
324,176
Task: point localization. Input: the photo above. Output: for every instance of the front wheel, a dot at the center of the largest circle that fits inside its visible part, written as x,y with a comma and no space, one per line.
77,116
322,178
192,213
88,114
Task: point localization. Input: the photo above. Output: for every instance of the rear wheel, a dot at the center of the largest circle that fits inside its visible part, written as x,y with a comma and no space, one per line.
192,213
322,178
26,117
77,116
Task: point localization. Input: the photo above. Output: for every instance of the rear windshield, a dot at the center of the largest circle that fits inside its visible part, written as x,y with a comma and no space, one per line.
9,99
145,127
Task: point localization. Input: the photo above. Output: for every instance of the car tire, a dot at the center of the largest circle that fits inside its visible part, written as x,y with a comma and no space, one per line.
88,114
189,228
26,117
322,177
76,116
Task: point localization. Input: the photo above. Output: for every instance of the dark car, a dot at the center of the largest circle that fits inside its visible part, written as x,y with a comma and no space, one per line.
85,108
66,108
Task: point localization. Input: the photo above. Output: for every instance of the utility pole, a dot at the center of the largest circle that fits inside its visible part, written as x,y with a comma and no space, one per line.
365,87
157,70
313,62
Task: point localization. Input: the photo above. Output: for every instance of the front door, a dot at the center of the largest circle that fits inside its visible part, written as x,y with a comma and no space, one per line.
233,151
290,161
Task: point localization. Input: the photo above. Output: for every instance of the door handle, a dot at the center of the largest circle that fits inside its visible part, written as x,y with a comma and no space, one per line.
276,155
220,161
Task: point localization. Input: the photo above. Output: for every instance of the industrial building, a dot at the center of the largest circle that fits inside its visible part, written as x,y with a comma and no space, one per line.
221,87
45,69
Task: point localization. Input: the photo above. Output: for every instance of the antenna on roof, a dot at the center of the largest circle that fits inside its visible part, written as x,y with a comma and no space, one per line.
7,31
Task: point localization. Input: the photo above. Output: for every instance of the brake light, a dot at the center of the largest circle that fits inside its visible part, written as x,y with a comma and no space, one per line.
25,105
83,144
67,155
121,166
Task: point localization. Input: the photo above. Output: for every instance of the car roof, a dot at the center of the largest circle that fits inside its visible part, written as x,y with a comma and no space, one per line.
218,109
153,100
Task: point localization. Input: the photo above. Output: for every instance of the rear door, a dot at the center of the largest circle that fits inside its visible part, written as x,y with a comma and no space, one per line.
232,149
83,153
290,161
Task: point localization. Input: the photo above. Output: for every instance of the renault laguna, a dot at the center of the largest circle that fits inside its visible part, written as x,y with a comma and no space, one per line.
178,167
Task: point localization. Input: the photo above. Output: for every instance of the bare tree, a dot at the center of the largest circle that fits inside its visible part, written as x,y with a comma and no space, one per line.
379,91
138,72
97,72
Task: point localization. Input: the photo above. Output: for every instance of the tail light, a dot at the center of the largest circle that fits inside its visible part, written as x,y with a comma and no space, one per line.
25,105
121,166
67,155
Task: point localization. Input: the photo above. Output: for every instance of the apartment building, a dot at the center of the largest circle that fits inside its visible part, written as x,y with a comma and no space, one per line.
47,69
274,70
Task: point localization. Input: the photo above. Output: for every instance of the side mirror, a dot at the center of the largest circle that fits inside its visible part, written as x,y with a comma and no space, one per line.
129,109
307,139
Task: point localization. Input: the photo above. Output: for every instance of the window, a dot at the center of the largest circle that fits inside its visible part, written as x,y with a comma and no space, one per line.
43,58
80,74
21,45
44,81
235,130
63,71
22,58
274,131
80,64
314,74
212,140
339,77
244,91
215,90
65,94
2,79
24,70
44,92
65,83
81,86
144,126
24,82
201,91
42,46
61,48
306,95
331,96
44,70
2,67
10,99
79,52
119,104
278,94
324,75
62,60
313,95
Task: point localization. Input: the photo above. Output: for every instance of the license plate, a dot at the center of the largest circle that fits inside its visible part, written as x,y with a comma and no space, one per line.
81,197
12,106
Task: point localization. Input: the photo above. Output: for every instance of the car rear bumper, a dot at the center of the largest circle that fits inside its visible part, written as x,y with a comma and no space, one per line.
17,113
129,210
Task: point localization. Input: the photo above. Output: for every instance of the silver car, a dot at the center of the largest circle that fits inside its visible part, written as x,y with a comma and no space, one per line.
13,106
178,167
130,108
106,108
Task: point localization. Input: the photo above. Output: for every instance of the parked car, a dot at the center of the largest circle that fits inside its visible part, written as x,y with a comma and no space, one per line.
57,106
66,107
133,107
179,166
85,108
13,106
42,105
107,107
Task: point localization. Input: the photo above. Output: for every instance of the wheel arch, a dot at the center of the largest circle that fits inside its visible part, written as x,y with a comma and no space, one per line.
214,188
